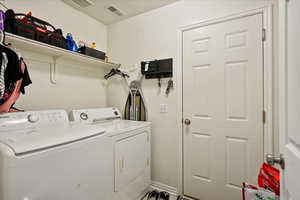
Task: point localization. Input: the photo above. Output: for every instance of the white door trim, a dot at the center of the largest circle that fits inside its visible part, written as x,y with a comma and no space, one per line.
268,80
282,72
282,85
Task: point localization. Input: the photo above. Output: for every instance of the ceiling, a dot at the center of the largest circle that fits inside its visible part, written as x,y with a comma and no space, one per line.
99,8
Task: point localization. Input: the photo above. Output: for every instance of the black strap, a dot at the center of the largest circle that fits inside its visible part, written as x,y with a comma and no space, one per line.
16,109
25,78
35,19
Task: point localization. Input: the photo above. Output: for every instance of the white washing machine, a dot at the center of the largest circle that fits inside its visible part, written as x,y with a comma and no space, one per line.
43,157
132,159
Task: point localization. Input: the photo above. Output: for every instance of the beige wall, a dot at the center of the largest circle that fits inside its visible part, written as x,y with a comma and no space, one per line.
78,85
154,35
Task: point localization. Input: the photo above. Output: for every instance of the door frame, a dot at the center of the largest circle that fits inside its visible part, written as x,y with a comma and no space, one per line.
282,83
267,12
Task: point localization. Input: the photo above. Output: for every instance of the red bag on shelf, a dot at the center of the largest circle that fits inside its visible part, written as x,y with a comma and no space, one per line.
269,178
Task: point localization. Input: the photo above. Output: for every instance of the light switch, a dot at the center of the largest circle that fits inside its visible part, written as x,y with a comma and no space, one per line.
163,108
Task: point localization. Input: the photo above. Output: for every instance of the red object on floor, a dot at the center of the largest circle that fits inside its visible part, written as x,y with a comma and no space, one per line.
269,178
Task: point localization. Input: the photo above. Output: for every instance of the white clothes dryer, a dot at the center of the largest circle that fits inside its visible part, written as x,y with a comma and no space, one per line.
132,149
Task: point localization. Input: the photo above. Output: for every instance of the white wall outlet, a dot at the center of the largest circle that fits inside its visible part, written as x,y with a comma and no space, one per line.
163,108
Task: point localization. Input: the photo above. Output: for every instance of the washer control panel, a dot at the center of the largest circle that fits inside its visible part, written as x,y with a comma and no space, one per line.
84,116
33,118
96,114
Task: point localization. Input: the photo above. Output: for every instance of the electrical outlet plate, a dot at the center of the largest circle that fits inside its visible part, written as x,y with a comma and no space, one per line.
163,108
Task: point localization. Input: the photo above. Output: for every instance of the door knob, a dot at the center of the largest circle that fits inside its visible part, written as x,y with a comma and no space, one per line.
187,122
271,160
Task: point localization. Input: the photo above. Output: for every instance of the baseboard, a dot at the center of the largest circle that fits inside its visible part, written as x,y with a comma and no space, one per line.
163,187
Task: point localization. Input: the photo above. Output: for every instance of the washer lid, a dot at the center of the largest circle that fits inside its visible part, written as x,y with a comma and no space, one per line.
116,127
24,141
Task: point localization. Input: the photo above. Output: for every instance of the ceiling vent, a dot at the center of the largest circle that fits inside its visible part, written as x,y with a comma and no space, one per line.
115,10
84,3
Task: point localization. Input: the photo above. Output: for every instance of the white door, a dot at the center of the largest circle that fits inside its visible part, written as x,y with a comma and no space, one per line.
222,107
290,104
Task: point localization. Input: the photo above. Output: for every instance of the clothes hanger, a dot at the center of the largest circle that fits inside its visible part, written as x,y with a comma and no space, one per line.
116,72
107,76
123,74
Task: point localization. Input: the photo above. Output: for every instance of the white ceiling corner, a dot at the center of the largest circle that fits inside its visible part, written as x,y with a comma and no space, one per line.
129,8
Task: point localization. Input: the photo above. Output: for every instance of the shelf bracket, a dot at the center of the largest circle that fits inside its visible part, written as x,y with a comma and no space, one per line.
53,69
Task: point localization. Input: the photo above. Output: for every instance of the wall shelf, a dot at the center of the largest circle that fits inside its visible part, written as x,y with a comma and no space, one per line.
55,52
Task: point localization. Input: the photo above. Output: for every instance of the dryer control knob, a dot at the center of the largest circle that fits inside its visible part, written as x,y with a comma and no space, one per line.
33,118
84,116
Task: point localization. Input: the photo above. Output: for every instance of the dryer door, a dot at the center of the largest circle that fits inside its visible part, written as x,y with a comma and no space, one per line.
132,162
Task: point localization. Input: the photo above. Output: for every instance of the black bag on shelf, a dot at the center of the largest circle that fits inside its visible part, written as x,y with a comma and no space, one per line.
57,39
17,27
92,52
33,28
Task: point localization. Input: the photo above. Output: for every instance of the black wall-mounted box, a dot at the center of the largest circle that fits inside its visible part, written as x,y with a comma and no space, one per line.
157,68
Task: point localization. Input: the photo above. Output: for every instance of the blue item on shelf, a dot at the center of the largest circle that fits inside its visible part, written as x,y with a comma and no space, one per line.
71,44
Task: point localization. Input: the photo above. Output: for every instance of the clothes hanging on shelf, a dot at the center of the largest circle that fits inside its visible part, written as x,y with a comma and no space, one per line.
14,77
14,70
25,76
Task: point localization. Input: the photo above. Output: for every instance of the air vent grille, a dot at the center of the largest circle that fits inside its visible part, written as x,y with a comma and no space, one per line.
115,10
84,3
